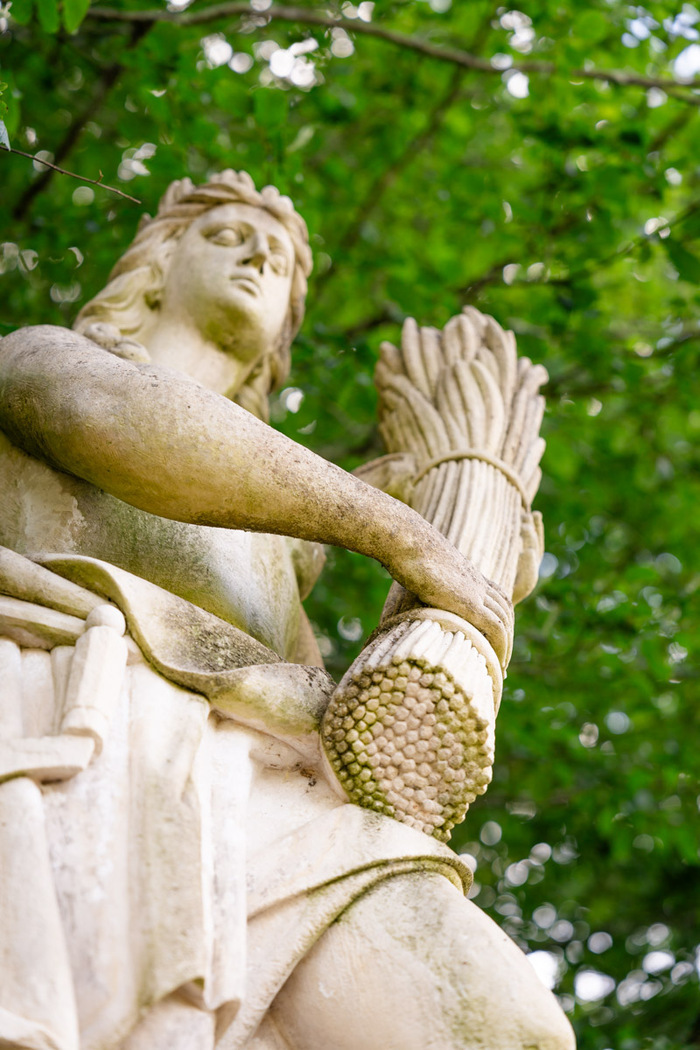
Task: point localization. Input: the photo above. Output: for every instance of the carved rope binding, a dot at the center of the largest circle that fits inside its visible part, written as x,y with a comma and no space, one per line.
410,730
470,453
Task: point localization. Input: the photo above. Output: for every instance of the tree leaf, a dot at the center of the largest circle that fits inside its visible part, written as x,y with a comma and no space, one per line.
687,264
22,11
690,225
10,103
74,12
47,10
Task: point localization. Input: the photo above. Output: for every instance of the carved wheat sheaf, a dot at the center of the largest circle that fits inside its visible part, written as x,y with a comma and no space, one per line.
468,409
410,729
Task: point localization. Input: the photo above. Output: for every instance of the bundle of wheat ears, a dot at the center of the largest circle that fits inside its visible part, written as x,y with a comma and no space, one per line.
410,729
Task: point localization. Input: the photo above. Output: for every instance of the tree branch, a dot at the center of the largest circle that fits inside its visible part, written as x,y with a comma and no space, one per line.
411,150
571,384
80,178
390,174
682,118
623,250
471,290
106,82
456,56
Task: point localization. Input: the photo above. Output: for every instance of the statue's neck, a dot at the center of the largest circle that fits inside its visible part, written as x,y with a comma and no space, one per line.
182,347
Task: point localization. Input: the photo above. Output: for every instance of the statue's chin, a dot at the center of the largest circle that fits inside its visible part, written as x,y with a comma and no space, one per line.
243,327
246,345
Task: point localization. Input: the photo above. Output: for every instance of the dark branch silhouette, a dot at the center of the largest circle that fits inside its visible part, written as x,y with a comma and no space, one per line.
465,59
63,171
104,85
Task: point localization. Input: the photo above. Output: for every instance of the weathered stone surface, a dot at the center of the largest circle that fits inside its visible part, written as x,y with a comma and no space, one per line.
45,758
460,415
179,865
22,578
35,625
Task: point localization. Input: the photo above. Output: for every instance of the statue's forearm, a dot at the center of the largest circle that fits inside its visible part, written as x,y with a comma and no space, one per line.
159,441
156,439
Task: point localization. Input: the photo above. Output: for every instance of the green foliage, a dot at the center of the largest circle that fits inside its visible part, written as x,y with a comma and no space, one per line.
47,13
4,138
572,214
687,264
51,14
74,12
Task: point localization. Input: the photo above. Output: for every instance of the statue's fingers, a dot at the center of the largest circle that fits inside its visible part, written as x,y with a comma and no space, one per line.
498,602
491,625
505,629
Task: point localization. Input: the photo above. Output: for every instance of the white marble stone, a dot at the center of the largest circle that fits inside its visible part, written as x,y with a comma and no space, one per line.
180,868
460,415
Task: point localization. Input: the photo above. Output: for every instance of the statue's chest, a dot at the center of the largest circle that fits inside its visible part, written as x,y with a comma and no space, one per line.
245,578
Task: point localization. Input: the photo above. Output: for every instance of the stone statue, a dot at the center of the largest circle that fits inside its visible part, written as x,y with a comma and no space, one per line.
181,866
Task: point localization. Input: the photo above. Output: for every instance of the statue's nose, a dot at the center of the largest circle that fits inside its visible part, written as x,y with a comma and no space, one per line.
258,251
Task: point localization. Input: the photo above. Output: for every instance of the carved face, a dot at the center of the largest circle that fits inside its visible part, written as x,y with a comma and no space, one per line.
231,276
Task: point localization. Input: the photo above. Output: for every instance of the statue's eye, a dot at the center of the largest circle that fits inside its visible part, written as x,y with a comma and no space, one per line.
226,236
279,263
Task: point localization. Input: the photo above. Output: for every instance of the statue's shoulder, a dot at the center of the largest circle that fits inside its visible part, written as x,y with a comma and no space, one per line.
39,336
60,341
42,332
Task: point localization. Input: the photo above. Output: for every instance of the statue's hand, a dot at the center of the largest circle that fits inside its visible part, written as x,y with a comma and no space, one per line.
499,622
110,338
442,578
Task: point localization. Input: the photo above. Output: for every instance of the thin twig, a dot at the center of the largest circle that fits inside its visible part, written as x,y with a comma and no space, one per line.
469,292
106,81
80,178
571,383
682,117
490,276
622,251
456,56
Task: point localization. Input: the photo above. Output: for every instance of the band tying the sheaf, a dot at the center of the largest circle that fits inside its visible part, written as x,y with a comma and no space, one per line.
470,453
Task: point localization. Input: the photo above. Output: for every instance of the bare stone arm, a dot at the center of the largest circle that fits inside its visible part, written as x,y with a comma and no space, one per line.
161,442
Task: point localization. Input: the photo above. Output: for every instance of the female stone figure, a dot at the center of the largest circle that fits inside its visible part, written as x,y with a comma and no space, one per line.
133,465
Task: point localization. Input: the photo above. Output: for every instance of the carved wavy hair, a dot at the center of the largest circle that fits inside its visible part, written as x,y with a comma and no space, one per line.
136,283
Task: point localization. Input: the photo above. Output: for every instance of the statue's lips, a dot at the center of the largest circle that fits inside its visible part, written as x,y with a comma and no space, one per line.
247,283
